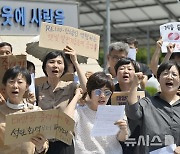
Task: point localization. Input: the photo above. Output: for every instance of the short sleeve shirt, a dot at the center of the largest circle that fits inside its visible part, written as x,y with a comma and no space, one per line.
59,98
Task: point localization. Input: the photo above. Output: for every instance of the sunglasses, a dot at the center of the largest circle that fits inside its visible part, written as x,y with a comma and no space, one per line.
106,93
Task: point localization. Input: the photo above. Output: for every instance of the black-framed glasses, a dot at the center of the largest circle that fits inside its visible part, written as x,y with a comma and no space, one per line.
106,93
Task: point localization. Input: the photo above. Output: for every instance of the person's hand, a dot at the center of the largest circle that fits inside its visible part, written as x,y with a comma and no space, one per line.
159,43
39,142
31,98
170,47
70,51
138,78
79,93
122,125
88,74
177,150
109,75
143,82
2,99
123,133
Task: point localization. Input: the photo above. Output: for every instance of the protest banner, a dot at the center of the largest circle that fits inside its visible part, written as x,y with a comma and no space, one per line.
50,123
58,37
7,62
120,98
170,33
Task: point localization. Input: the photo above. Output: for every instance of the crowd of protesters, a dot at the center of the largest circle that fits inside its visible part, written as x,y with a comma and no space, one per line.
151,121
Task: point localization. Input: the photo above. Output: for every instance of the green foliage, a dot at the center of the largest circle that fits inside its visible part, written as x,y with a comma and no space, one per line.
101,57
142,54
151,90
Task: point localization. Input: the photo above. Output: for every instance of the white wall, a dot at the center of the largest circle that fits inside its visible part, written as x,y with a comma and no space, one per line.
19,47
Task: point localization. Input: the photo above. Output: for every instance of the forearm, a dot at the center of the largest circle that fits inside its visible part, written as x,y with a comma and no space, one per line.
132,97
70,109
155,60
143,83
167,57
81,76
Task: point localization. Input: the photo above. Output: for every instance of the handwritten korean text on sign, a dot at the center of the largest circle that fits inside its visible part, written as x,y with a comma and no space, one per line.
51,123
58,37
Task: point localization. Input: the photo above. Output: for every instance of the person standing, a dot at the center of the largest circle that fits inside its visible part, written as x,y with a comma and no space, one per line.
117,51
159,114
99,89
56,93
16,81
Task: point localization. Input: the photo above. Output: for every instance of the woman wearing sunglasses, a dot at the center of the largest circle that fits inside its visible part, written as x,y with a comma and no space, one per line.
99,88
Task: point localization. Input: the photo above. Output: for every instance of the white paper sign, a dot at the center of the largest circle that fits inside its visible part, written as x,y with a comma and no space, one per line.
132,54
170,33
32,86
105,117
165,150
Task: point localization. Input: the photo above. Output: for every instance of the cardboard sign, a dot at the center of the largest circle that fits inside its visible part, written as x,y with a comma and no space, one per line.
65,77
51,123
120,98
7,62
58,37
170,33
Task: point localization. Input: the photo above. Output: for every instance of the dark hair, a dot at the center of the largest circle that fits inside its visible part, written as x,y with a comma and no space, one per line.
99,80
53,55
131,40
29,64
2,44
13,72
167,66
125,61
175,54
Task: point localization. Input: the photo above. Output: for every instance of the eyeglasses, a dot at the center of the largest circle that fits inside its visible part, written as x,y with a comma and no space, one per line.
106,93
116,58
